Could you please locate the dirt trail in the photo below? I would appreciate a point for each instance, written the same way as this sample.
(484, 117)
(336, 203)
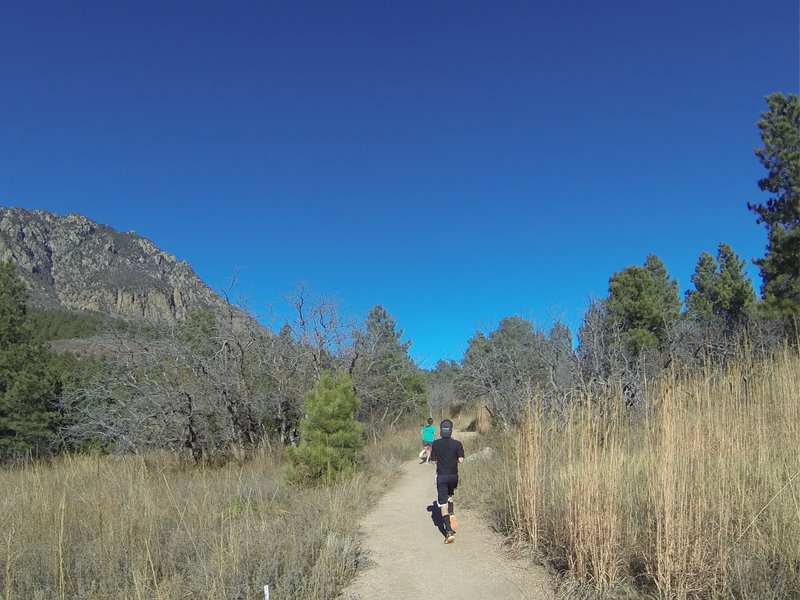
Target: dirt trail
(409, 559)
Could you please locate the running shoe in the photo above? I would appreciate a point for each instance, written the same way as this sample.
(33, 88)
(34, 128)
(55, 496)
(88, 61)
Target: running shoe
(453, 523)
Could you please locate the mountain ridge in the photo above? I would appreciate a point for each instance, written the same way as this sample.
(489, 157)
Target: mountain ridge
(70, 262)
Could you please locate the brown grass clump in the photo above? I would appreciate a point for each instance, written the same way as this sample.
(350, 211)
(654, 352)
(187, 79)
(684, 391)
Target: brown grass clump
(482, 423)
(126, 527)
(698, 497)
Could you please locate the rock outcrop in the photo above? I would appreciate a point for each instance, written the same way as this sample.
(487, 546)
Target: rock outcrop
(72, 263)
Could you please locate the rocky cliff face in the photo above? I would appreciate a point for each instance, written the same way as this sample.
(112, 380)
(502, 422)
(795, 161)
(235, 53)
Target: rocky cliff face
(71, 262)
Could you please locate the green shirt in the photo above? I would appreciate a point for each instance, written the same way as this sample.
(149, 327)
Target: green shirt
(428, 433)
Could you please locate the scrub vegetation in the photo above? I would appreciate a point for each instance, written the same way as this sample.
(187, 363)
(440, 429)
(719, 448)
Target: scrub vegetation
(208, 457)
(660, 459)
(93, 526)
(695, 496)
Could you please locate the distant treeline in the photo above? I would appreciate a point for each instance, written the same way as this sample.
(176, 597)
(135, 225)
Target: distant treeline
(48, 325)
(216, 385)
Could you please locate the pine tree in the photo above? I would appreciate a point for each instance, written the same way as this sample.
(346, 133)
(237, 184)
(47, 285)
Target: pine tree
(643, 303)
(723, 292)
(700, 301)
(736, 300)
(780, 268)
(27, 385)
(330, 438)
(387, 379)
(515, 363)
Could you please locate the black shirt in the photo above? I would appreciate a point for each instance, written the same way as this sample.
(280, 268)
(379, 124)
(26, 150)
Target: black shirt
(446, 452)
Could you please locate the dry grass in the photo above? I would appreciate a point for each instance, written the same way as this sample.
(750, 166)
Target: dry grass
(124, 527)
(482, 423)
(699, 498)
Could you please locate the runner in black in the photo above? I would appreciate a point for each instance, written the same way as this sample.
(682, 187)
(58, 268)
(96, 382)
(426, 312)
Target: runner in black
(447, 453)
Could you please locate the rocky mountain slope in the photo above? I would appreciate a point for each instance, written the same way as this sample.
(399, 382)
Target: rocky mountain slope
(73, 263)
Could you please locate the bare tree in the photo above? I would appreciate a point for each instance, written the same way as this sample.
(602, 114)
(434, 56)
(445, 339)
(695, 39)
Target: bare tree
(443, 398)
(387, 380)
(196, 386)
(517, 363)
(319, 327)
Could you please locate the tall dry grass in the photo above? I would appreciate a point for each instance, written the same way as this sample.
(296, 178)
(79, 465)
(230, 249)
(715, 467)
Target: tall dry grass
(126, 527)
(698, 497)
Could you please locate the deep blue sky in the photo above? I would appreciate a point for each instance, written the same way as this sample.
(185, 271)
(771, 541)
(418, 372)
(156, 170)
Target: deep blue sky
(455, 161)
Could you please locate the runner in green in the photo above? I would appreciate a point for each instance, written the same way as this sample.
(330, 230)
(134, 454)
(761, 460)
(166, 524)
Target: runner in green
(428, 435)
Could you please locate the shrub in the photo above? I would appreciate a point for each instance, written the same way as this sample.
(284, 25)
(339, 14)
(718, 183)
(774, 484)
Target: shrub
(330, 438)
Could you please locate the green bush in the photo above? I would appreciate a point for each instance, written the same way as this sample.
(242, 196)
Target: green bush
(330, 438)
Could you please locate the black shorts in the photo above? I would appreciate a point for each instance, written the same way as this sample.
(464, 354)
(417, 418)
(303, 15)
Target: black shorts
(445, 486)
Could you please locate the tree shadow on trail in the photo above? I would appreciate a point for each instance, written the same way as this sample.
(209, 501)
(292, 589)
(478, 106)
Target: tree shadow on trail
(436, 517)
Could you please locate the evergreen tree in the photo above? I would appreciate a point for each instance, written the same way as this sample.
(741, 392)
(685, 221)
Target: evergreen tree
(50, 325)
(561, 338)
(517, 347)
(386, 379)
(643, 303)
(514, 364)
(723, 292)
(736, 299)
(441, 383)
(561, 359)
(472, 382)
(700, 301)
(479, 348)
(199, 332)
(330, 438)
(780, 268)
(27, 386)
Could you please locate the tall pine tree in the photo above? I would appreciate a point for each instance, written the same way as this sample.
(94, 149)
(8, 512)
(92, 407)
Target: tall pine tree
(643, 303)
(723, 292)
(780, 268)
(27, 385)
(386, 378)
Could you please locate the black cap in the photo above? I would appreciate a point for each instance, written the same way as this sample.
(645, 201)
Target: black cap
(446, 428)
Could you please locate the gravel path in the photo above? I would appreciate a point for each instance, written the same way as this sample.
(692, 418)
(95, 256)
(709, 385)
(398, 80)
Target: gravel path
(409, 559)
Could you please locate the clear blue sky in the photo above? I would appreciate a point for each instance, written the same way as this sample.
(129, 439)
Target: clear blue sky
(455, 161)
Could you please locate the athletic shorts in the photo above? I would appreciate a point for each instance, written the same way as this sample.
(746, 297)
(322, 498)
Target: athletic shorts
(427, 444)
(445, 486)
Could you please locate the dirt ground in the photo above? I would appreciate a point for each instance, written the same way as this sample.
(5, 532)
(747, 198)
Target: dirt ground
(409, 560)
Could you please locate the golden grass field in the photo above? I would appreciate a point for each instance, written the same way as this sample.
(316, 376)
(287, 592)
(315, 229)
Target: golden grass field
(145, 528)
(697, 497)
